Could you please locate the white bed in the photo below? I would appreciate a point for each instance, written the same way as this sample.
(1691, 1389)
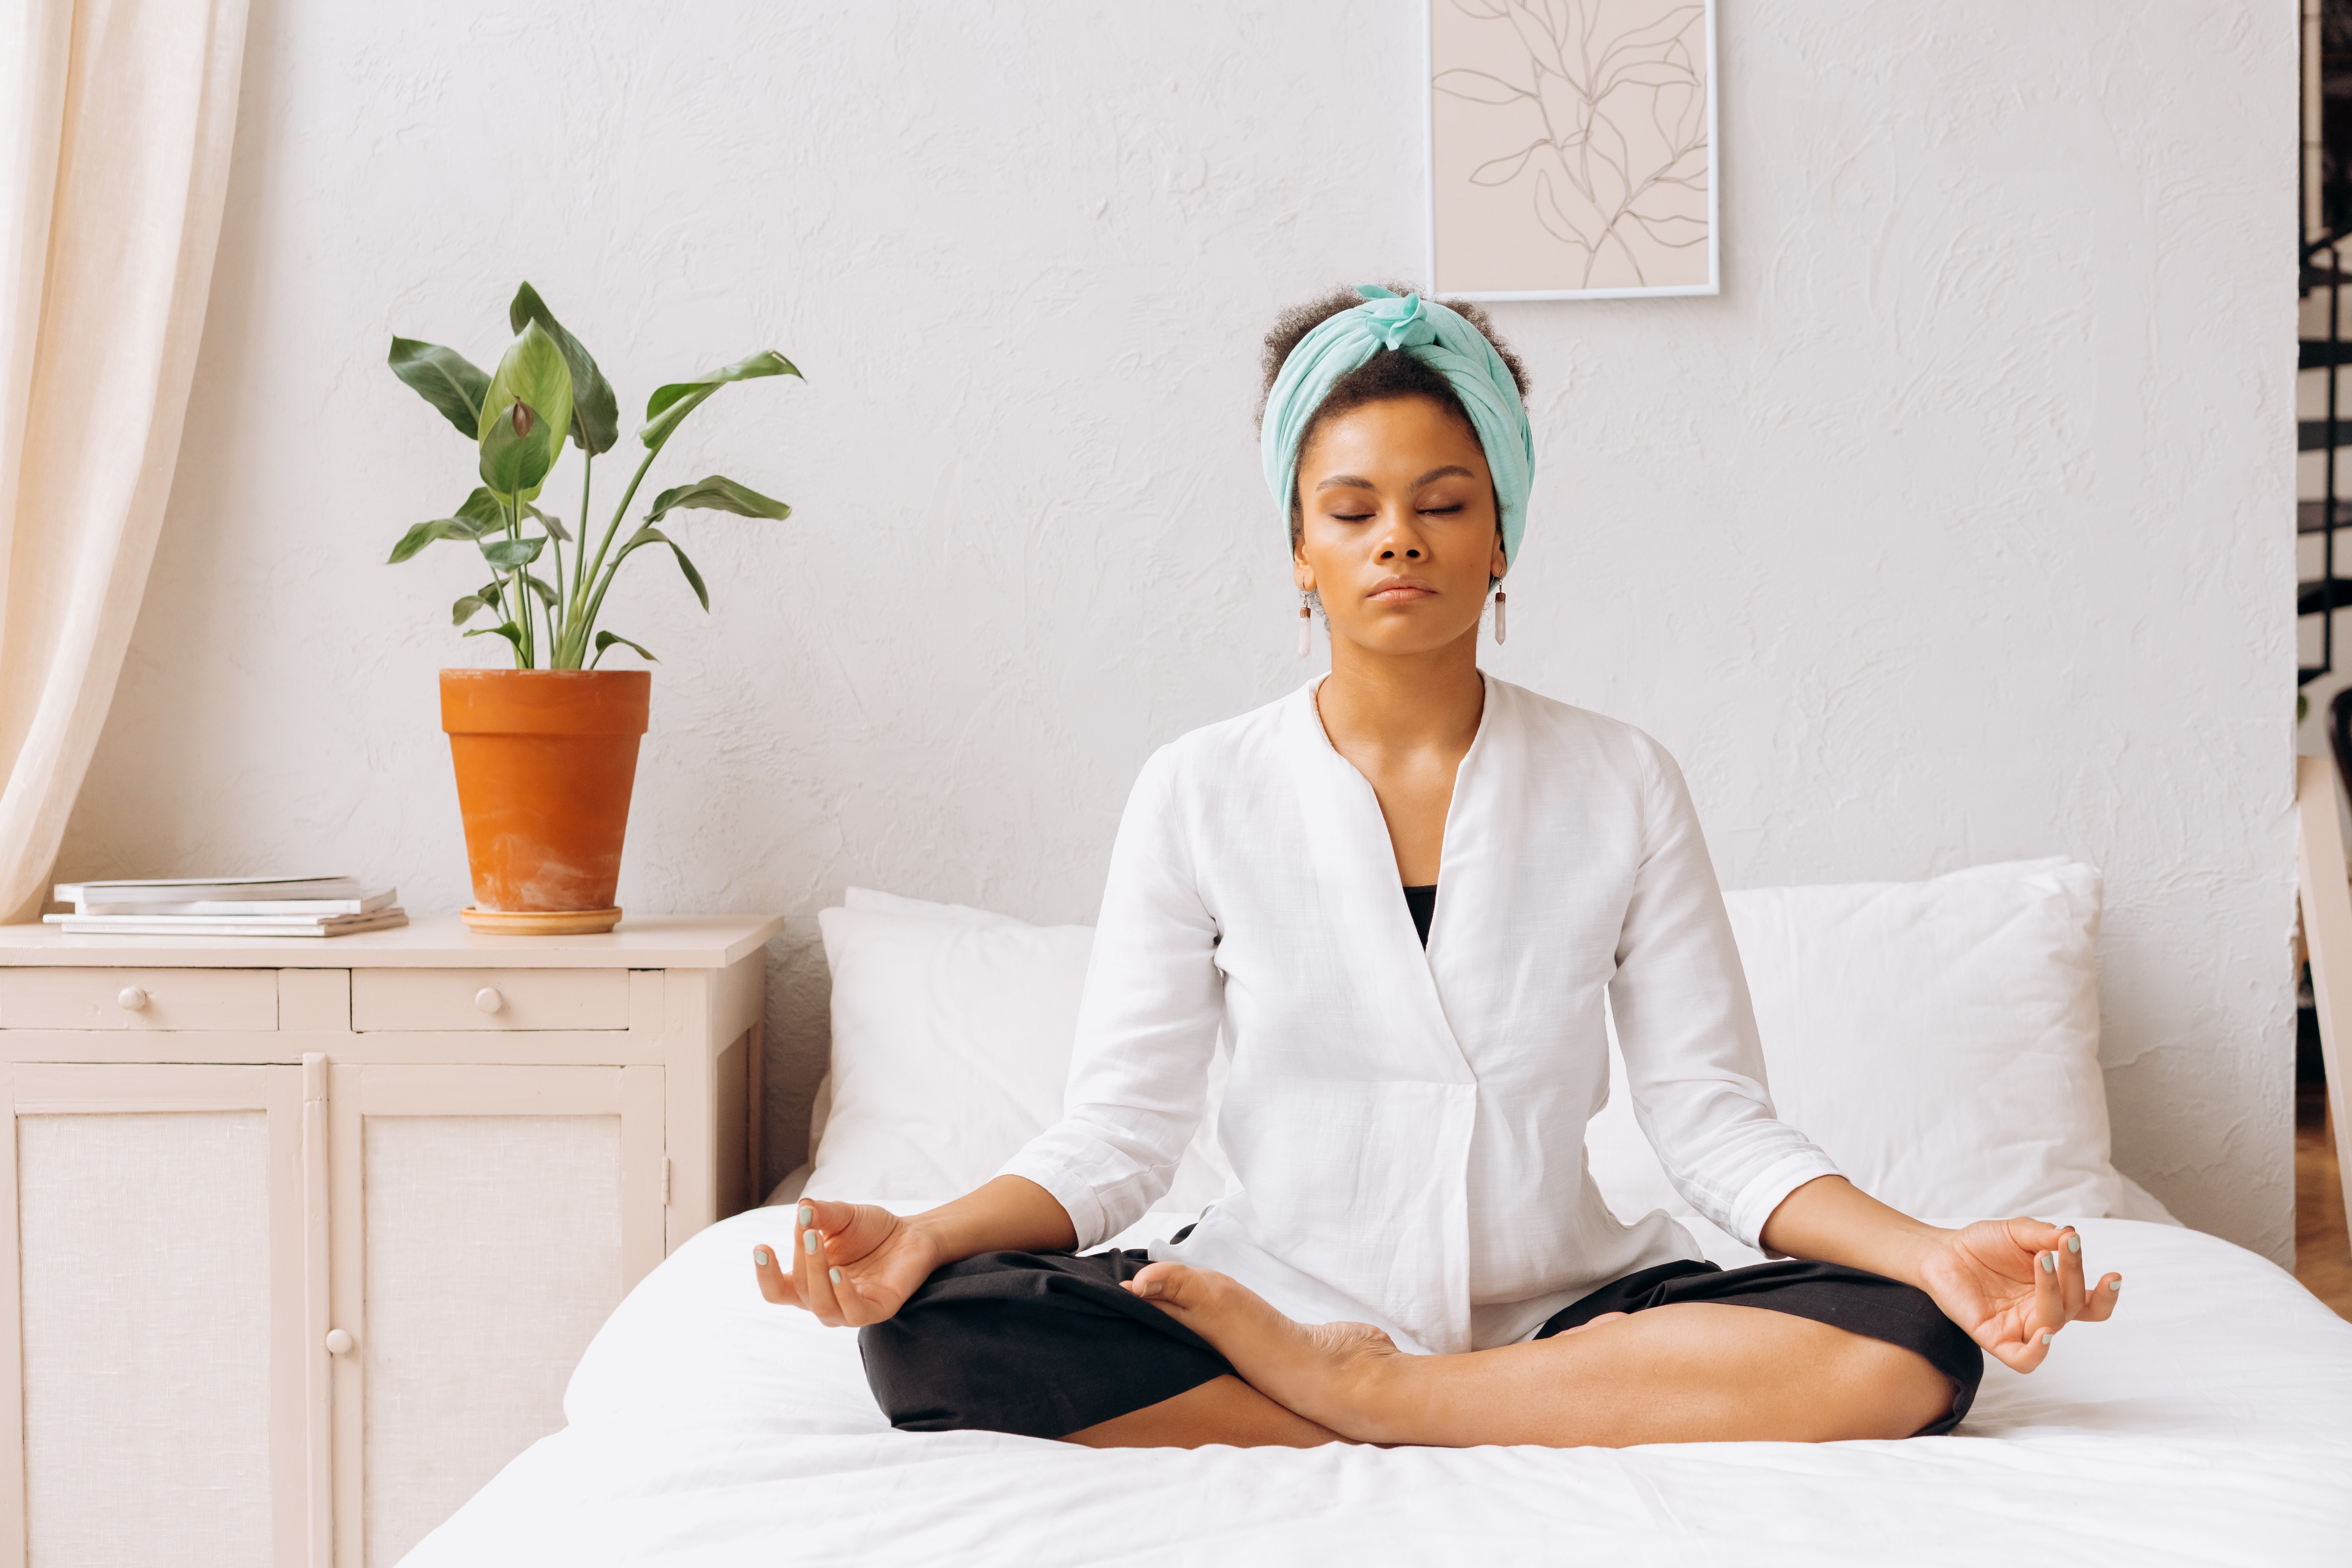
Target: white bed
(1940, 1039)
(2212, 1422)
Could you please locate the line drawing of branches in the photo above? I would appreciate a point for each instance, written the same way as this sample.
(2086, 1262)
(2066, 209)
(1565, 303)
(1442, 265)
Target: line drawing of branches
(1623, 108)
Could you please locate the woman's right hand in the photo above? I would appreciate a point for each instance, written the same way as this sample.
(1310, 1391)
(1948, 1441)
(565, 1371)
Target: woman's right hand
(851, 1264)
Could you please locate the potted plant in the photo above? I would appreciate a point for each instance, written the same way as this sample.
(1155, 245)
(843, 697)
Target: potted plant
(546, 753)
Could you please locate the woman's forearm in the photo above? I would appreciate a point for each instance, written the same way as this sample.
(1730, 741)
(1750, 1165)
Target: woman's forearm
(1832, 1221)
(1006, 1213)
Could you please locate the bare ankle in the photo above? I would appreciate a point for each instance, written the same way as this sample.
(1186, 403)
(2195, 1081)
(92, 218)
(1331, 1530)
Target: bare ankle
(1362, 1389)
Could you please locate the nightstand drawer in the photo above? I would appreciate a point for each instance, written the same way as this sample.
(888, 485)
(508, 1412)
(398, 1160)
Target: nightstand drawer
(439, 1000)
(138, 998)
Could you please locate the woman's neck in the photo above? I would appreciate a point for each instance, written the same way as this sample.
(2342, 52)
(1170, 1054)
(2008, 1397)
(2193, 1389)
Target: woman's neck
(1404, 702)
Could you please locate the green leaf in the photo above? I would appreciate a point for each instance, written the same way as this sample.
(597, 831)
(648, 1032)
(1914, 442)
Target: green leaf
(506, 555)
(506, 629)
(670, 406)
(718, 494)
(424, 533)
(595, 412)
(482, 507)
(554, 524)
(532, 371)
(514, 453)
(649, 534)
(525, 414)
(606, 639)
(488, 596)
(444, 378)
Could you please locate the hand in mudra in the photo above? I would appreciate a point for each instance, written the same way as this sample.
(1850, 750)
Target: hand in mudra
(2014, 1283)
(850, 1263)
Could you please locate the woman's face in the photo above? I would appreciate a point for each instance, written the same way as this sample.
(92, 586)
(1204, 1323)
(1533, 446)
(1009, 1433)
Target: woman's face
(1397, 525)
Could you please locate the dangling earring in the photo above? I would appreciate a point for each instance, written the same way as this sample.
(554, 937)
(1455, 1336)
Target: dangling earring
(1305, 624)
(1499, 597)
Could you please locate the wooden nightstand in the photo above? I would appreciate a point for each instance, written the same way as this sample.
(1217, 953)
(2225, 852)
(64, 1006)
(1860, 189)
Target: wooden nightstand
(304, 1237)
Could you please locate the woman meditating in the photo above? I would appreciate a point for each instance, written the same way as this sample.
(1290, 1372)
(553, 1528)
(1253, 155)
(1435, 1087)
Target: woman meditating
(1401, 893)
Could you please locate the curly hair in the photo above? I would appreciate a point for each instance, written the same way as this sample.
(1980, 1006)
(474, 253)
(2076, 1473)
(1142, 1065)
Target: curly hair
(1388, 373)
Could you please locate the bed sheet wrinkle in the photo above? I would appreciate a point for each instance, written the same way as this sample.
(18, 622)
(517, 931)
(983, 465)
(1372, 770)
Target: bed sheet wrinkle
(2210, 1423)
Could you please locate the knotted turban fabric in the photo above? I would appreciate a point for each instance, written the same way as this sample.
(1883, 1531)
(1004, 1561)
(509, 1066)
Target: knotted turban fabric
(1441, 339)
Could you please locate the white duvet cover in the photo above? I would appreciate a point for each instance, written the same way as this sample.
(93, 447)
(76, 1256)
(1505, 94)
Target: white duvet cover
(2212, 1422)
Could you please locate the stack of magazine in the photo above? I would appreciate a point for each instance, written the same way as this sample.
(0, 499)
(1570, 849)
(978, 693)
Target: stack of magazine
(235, 906)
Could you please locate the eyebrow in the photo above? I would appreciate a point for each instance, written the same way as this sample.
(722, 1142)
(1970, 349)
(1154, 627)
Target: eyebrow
(1357, 483)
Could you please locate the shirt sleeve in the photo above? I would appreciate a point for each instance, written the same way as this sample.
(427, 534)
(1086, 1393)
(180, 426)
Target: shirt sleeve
(1147, 1026)
(1693, 1058)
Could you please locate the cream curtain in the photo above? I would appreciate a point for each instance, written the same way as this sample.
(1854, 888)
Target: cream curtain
(117, 116)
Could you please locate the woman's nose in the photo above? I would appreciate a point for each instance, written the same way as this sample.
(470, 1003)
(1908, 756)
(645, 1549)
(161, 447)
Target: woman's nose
(1407, 551)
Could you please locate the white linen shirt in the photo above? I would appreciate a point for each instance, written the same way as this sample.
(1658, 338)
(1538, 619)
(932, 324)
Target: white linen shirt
(1406, 1126)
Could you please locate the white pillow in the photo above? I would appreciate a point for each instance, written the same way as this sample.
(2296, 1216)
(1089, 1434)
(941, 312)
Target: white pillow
(952, 1036)
(893, 903)
(1939, 1040)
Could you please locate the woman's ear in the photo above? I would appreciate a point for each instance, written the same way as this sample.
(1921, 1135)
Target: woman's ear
(1500, 563)
(1302, 573)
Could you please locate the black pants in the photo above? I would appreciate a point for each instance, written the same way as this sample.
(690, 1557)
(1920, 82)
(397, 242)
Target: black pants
(1045, 1344)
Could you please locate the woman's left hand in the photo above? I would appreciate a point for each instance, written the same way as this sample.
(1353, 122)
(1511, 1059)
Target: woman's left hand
(2014, 1283)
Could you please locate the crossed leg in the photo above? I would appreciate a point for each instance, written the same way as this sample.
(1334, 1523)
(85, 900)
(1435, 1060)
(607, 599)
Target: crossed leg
(1221, 1410)
(1692, 1372)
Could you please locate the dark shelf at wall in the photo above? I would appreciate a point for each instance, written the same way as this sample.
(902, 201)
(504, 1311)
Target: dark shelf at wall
(2312, 597)
(2323, 342)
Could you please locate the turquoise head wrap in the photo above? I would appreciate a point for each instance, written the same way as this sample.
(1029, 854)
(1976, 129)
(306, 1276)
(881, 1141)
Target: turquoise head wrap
(1441, 340)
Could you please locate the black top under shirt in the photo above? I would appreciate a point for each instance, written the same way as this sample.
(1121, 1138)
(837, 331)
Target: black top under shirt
(1422, 902)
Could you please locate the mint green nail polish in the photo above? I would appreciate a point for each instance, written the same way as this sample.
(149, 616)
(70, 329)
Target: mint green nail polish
(2073, 1244)
(808, 1217)
(2049, 1261)
(2045, 1339)
(835, 1276)
(810, 1237)
(760, 1256)
(2115, 1284)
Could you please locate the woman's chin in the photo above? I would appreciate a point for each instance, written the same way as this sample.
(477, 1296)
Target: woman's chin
(1404, 636)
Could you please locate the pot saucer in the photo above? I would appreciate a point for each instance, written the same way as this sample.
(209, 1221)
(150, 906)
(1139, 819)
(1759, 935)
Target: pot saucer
(535, 923)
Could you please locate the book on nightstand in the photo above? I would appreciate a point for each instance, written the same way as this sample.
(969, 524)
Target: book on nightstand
(234, 906)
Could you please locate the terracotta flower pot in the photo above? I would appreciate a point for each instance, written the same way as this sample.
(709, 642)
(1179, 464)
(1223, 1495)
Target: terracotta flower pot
(545, 761)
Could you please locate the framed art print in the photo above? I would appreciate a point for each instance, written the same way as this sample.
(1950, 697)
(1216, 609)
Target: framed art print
(1572, 149)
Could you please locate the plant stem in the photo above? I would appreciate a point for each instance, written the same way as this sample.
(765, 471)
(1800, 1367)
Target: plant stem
(621, 512)
(518, 592)
(596, 599)
(554, 628)
(585, 617)
(570, 654)
(555, 632)
(515, 612)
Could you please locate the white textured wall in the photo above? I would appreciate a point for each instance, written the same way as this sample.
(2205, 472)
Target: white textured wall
(1956, 529)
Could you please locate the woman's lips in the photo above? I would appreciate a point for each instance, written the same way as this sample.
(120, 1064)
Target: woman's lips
(1402, 593)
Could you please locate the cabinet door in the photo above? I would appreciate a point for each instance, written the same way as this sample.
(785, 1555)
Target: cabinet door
(149, 1412)
(486, 1220)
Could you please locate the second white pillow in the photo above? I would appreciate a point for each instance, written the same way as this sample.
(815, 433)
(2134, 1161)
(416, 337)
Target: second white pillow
(952, 1036)
(1939, 1039)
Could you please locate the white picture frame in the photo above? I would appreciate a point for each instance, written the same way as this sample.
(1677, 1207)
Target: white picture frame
(1564, 154)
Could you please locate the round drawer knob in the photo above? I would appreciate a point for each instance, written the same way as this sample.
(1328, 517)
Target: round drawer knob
(338, 1343)
(132, 999)
(489, 1000)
